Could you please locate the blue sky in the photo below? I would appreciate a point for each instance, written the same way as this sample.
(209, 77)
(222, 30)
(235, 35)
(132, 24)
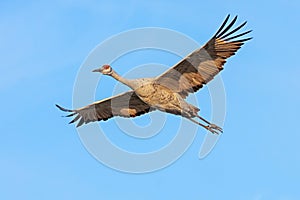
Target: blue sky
(42, 47)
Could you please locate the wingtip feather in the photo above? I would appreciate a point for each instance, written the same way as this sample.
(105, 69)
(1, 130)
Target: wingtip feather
(222, 26)
(63, 109)
(227, 27)
(80, 122)
(234, 30)
(237, 36)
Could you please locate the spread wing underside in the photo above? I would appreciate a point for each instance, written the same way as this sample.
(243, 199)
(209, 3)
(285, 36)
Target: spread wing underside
(200, 67)
(125, 105)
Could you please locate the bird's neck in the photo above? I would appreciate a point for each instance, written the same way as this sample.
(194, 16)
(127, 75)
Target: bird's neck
(129, 83)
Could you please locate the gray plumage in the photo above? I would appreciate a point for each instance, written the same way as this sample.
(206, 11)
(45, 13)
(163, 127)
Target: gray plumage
(168, 91)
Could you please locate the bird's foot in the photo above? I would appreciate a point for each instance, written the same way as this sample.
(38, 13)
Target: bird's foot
(214, 129)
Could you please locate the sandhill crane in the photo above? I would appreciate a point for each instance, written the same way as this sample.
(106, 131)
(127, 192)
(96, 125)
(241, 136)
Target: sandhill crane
(168, 91)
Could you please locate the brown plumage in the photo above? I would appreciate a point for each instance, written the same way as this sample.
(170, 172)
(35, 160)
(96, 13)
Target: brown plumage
(168, 91)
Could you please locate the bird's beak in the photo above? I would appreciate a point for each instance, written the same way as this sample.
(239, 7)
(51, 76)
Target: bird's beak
(97, 70)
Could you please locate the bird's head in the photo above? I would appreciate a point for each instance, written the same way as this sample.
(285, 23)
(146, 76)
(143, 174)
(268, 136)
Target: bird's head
(105, 69)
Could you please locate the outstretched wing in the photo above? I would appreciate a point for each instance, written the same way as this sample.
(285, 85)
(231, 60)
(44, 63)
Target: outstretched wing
(125, 105)
(202, 65)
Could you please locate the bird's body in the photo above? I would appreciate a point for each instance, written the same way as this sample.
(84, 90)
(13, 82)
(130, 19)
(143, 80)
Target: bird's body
(165, 99)
(158, 96)
(168, 91)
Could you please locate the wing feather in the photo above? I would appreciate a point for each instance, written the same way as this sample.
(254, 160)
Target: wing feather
(200, 67)
(127, 104)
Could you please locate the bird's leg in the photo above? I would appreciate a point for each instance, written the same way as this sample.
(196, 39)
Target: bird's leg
(203, 119)
(213, 126)
(212, 129)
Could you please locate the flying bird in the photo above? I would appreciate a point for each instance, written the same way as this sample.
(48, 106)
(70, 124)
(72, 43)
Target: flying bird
(168, 91)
